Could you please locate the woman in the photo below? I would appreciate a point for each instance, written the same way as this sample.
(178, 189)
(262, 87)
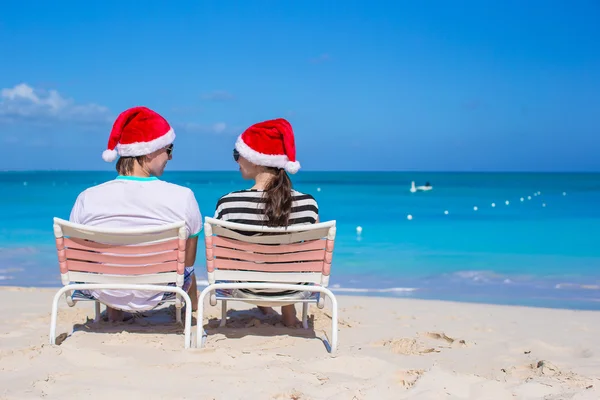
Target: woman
(265, 153)
(137, 198)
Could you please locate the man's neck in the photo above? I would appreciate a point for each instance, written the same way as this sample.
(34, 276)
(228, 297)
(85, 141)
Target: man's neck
(139, 171)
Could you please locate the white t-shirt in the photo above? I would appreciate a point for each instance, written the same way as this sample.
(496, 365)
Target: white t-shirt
(136, 202)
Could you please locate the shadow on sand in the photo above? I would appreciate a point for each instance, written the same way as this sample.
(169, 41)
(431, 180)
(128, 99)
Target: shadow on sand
(158, 321)
(253, 322)
(240, 323)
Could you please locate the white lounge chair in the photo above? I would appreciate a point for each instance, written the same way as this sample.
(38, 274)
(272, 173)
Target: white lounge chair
(295, 258)
(93, 258)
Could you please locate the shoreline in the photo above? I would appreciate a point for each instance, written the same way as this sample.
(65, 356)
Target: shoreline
(428, 294)
(358, 297)
(389, 348)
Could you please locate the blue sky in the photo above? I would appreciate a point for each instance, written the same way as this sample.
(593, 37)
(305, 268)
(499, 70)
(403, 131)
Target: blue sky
(405, 85)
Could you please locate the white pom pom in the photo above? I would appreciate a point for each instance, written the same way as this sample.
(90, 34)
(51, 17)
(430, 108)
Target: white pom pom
(292, 167)
(109, 155)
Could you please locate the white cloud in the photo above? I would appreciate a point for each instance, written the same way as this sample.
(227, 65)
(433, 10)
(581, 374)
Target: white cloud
(219, 127)
(23, 103)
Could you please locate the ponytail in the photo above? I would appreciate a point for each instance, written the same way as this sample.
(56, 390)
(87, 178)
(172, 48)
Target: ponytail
(278, 200)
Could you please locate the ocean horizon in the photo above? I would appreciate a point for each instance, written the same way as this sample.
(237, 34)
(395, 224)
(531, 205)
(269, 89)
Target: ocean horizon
(519, 238)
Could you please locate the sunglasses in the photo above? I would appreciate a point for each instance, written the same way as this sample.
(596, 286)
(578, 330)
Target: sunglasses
(236, 155)
(169, 150)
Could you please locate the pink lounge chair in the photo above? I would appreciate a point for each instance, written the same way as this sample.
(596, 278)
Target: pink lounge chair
(93, 258)
(295, 258)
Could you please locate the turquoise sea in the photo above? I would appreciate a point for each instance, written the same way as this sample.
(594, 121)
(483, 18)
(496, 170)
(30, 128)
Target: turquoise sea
(540, 249)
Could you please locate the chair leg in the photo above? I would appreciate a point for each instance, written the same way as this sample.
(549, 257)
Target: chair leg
(178, 305)
(200, 333)
(97, 316)
(223, 313)
(305, 315)
(69, 299)
(334, 322)
(54, 316)
(187, 330)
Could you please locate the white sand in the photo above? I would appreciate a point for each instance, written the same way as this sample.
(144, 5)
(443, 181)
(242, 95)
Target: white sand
(388, 349)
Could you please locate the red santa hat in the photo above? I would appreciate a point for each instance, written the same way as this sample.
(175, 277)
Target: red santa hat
(270, 144)
(137, 132)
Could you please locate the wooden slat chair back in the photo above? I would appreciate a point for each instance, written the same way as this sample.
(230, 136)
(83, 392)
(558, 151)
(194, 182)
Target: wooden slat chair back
(242, 256)
(92, 258)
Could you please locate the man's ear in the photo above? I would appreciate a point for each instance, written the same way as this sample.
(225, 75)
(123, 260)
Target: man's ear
(152, 155)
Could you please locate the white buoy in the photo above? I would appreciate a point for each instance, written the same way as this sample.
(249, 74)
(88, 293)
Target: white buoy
(528, 197)
(535, 194)
(522, 199)
(507, 202)
(318, 189)
(359, 230)
(409, 217)
(475, 208)
(493, 204)
(446, 212)
(24, 183)
(564, 193)
(543, 204)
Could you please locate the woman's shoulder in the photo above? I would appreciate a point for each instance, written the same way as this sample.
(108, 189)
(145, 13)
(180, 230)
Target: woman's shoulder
(243, 193)
(239, 195)
(300, 196)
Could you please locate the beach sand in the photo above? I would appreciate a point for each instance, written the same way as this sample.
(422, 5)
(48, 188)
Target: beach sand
(388, 349)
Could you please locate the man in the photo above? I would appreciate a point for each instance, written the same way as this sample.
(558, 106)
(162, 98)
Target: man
(137, 198)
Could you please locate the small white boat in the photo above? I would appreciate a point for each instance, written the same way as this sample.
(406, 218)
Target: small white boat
(414, 188)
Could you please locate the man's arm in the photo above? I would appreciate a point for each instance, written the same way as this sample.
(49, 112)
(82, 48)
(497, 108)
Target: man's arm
(194, 226)
(191, 247)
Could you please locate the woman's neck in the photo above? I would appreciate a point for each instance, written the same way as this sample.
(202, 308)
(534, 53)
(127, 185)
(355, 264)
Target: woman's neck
(262, 180)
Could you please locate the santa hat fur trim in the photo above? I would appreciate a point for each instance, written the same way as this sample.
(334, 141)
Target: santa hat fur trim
(266, 160)
(140, 148)
(143, 148)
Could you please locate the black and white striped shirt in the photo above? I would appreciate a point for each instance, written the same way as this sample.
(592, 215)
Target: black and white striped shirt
(247, 207)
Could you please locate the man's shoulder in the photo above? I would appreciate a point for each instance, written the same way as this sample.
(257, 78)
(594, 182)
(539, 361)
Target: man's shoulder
(164, 190)
(174, 194)
(98, 188)
(173, 188)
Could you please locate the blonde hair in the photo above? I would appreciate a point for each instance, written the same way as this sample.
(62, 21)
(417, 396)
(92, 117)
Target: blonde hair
(125, 165)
